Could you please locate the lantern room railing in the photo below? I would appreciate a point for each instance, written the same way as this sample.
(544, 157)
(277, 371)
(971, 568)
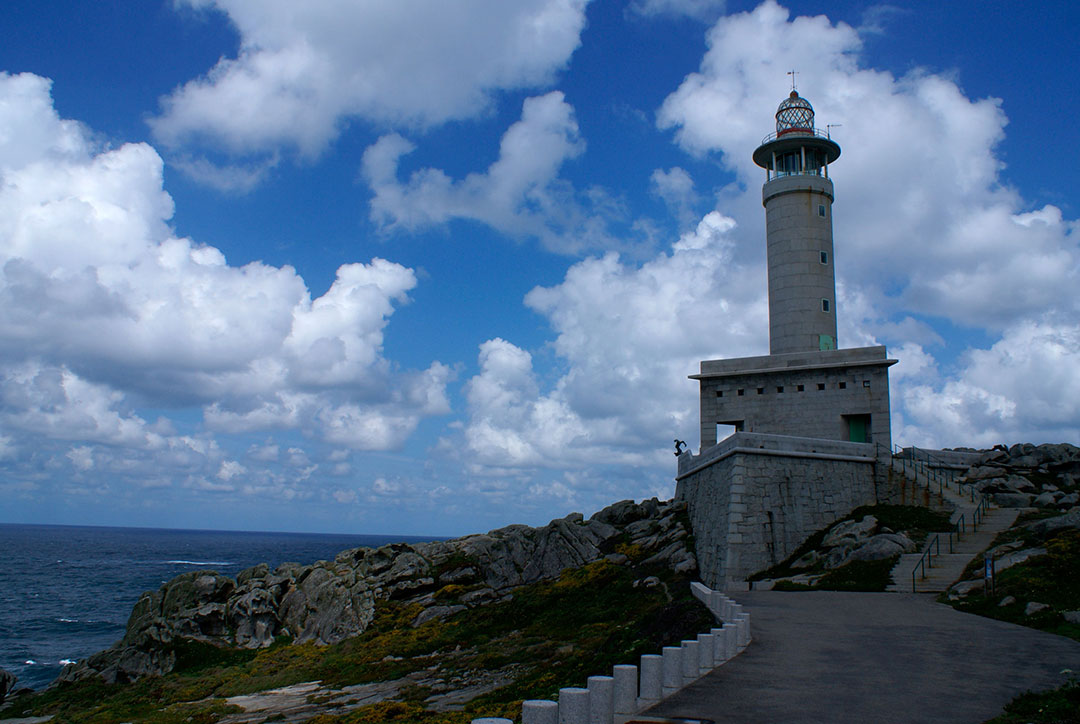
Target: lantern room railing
(811, 132)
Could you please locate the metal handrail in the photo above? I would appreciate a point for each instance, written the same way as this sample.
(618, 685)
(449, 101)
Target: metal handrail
(980, 510)
(926, 560)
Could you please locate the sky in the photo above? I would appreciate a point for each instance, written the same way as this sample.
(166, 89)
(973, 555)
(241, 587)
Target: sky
(433, 268)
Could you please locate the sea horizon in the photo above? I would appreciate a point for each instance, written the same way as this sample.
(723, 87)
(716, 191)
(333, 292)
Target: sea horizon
(409, 537)
(66, 591)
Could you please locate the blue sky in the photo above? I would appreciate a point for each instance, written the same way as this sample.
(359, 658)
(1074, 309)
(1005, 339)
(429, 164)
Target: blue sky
(430, 268)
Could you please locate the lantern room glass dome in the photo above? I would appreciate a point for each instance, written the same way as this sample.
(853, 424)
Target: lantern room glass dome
(794, 114)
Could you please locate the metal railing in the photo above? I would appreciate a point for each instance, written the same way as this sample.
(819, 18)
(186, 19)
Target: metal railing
(926, 560)
(796, 133)
(916, 465)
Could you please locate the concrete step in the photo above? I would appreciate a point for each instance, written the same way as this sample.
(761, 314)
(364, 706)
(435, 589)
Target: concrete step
(947, 567)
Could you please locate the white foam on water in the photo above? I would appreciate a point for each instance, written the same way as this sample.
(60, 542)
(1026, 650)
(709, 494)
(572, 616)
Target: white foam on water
(200, 563)
(30, 662)
(65, 662)
(68, 620)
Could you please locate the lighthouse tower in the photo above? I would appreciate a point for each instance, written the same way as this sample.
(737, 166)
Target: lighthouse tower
(792, 440)
(798, 198)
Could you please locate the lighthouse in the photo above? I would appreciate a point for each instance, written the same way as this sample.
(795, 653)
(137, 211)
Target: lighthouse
(795, 439)
(798, 198)
(807, 386)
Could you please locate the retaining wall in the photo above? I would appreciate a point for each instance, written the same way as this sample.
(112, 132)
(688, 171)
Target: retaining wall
(754, 498)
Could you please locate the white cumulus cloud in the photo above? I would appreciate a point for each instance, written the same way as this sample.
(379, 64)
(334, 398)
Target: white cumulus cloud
(304, 69)
(103, 308)
(520, 194)
(628, 335)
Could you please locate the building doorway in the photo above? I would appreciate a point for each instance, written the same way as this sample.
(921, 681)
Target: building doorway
(858, 428)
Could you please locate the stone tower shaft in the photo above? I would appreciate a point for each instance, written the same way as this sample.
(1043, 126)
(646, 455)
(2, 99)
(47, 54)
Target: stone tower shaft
(798, 197)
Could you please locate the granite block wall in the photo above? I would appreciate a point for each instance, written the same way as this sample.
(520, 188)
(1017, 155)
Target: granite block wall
(754, 499)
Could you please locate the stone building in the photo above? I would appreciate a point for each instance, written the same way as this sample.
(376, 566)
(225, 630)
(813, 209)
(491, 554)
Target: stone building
(808, 422)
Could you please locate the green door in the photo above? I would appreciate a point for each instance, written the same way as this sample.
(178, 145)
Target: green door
(857, 431)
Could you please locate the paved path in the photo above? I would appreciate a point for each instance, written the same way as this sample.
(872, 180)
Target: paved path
(884, 658)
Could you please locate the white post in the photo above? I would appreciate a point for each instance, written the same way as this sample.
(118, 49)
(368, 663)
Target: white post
(539, 711)
(690, 658)
(601, 700)
(716, 603)
(573, 706)
(626, 688)
(672, 670)
(731, 640)
(652, 680)
(719, 647)
(743, 625)
(705, 653)
(492, 720)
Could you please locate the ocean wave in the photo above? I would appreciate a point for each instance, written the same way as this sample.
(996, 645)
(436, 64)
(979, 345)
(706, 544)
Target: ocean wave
(68, 620)
(30, 662)
(65, 662)
(200, 563)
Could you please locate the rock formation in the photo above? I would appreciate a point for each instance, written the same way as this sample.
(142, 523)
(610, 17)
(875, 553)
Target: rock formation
(855, 540)
(329, 601)
(7, 683)
(1045, 476)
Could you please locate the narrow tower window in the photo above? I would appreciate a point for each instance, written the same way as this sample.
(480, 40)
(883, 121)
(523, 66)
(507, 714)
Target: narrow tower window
(824, 257)
(824, 305)
(821, 210)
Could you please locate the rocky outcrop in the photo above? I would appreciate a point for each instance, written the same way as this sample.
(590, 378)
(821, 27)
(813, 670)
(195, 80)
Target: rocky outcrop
(7, 683)
(329, 601)
(1026, 475)
(855, 540)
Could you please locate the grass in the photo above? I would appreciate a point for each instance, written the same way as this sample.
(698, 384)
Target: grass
(1053, 579)
(549, 635)
(1058, 706)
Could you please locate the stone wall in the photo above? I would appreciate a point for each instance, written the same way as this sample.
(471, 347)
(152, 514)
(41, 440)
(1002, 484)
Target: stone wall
(811, 394)
(753, 499)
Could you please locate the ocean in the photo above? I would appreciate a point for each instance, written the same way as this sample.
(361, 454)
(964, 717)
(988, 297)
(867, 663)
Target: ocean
(66, 591)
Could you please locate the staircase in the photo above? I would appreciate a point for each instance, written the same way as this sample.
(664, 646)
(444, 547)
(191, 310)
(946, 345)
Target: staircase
(945, 555)
(945, 568)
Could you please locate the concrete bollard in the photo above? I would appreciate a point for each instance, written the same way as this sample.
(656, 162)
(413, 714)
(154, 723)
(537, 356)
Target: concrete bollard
(672, 681)
(731, 640)
(601, 700)
(652, 680)
(573, 705)
(743, 626)
(716, 603)
(719, 648)
(539, 711)
(705, 653)
(492, 720)
(690, 659)
(626, 688)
